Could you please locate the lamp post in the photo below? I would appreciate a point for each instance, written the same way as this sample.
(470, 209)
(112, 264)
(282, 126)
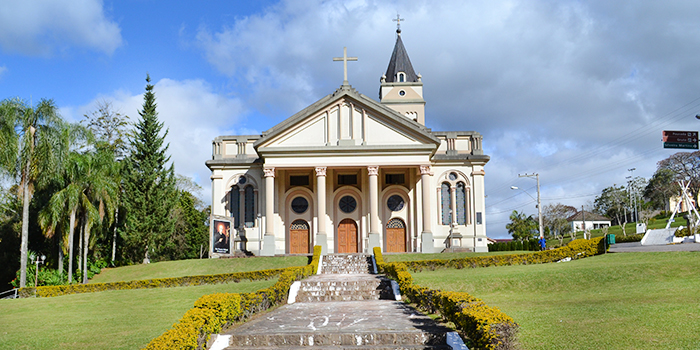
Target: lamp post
(37, 262)
(539, 201)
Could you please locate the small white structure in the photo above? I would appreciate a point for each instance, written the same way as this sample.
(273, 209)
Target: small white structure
(586, 221)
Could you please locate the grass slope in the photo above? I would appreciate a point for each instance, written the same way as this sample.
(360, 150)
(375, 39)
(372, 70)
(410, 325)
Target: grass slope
(126, 319)
(179, 268)
(612, 301)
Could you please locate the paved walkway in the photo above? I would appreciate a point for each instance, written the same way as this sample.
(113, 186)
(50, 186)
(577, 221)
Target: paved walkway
(638, 247)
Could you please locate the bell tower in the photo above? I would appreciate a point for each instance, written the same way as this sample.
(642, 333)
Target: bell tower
(401, 88)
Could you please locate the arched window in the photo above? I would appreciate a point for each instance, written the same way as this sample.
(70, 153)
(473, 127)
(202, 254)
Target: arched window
(445, 203)
(461, 199)
(402, 77)
(234, 205)
(249, 206)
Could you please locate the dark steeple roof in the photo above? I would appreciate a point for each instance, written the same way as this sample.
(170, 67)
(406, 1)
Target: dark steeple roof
(400, 62)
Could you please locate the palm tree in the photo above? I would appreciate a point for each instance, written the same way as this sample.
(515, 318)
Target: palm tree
(34, 155)
(100, 193)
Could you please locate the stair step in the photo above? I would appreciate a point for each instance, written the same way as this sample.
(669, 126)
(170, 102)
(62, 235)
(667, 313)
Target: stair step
(381, 339)
(346, 263)
(352, 347)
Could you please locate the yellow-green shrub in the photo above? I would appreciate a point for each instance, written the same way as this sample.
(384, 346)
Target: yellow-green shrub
(52, 291)
(575, 249)
(213, 312)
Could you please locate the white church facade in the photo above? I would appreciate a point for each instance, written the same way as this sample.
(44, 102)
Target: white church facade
(350, 173)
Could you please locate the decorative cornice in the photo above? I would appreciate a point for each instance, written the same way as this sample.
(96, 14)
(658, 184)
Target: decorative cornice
(321, 171)
(269, 172)
(425, 170)
(216, 177)
(478, 172)
(373, 170)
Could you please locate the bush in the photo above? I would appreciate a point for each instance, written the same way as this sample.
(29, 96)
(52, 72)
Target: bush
(683, 232)
(629, 238)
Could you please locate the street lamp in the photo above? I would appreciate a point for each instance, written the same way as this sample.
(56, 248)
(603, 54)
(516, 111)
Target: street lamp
(37, 262)
(539, 201)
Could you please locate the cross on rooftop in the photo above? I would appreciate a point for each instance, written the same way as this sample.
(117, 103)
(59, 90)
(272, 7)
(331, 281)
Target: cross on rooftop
(345, 60)
(398, 20)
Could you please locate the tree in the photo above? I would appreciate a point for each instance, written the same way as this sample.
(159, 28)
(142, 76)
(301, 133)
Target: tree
(522, 227)
(554, 217)
(149, 187)
(110, 129)
(613, 202)
(33, 154)
(53, 218)
(685, 166)
(661, 187)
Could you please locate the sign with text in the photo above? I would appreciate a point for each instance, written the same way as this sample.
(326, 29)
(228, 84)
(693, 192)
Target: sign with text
(680, 139)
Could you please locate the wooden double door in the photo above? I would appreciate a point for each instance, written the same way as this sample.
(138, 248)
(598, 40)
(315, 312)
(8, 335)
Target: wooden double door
(347, 236)
(395, 236)
(299, 237)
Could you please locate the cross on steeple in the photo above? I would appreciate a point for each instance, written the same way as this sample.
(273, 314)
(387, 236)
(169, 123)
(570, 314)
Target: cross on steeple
(398, 20)
(345, 60)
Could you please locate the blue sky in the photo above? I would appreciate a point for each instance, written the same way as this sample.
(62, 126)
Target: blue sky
(578, 91)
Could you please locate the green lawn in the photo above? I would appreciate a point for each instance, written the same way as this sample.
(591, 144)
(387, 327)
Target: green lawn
(612, 301)
(125, 319)
(440, 256)
(195, 267)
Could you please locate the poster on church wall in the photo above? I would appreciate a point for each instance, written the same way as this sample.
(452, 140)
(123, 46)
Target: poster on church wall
(221, 234)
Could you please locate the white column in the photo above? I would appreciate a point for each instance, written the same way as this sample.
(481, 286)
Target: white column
(374, 235)
(269, 238)
(321, 236)
(427, 245)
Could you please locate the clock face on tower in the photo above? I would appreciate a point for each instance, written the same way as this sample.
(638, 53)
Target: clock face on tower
(395, 203)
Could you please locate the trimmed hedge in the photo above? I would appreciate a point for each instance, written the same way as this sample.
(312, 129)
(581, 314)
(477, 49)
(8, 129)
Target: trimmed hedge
(486, 327)
(213, 312)
(53, 291)
(629, 238)
(575, 249)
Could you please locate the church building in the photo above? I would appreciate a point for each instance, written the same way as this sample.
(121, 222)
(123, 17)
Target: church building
(349, 173)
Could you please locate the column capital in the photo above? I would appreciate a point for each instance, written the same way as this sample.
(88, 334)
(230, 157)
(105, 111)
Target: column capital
(425, 170)
(321, 171)
(373, 170)
(269, 172)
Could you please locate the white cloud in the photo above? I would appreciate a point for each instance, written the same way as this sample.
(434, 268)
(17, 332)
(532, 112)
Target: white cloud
(193, 114)
(3, 69)
(39, 27)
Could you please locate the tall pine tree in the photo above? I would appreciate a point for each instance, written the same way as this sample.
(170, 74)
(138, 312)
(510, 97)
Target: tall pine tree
(150, 194)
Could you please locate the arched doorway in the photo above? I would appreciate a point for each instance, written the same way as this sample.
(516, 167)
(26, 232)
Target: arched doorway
(299, 237)
(395, 236)
(347, 236)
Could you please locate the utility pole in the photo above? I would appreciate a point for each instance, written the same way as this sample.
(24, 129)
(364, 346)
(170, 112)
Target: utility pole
(539, 201)
(633, 193)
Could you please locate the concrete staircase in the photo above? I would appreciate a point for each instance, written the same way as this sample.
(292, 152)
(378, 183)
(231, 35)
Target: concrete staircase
(344, 307)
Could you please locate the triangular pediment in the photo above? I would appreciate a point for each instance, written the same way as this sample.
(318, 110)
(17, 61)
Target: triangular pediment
(346, 119)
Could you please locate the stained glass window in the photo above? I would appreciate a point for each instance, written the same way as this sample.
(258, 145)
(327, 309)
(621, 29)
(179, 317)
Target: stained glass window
(395, 203)
(461, 204)
(300, 205)
(445, 203)
(347, 204)
(234, 204)
(249, 206)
